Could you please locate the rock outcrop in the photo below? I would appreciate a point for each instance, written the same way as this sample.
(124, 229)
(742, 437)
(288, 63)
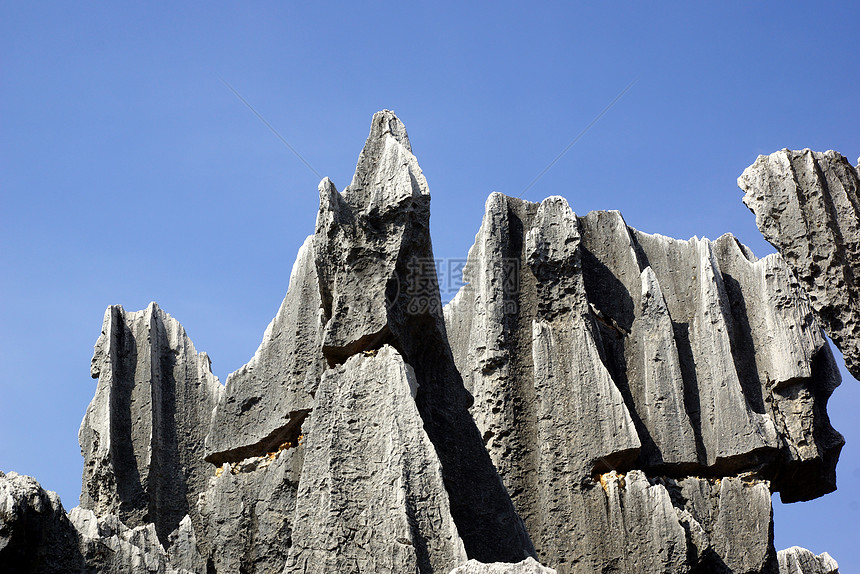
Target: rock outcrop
(108, 545)
(36, 536)
(145, 428)
(371, 497)
(797, 560)
(591, 347)
(806, 204)
(265, 401)
(596, 399)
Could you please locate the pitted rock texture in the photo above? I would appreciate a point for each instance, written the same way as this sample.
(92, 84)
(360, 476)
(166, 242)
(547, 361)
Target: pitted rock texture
(36, 536)
(636, 400)
(144, 430)
(797, 560)
(590, 346)
(371, 497)
(806, 204)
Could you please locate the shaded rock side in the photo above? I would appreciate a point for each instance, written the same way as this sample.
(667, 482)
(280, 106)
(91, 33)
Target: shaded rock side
(247, 512)
(728, 523)
(797, 560)
(806, 204)
(371, 497)
(695, 358)
(375, 265)
(143, 434)
(35, 534)
(268, 397)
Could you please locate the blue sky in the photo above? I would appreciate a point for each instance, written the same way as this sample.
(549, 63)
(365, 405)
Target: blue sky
(129, 172)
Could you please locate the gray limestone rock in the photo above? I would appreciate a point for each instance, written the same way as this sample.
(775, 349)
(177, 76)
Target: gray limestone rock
(371, 497)
(806, 204)
(527, 566)
(183, 549)
(797, 560)
(266, 400)
(634, 399)
(633, 528)
(143, 434)
(247, 512)
(709, 358)
(109, 546)
(728, 522)
(35, 534)
(377, 274)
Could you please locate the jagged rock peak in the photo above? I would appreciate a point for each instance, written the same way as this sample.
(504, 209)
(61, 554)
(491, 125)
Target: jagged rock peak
(807, 204)
(640, 396)
(387, 172)
(144, 431)
(379, 287)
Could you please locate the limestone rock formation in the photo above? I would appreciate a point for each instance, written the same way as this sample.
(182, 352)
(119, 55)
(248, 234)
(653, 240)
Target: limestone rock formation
(806, 204)
(36, 536)
(797, 560)
(371, 497)
(376, 270)
(591, 347)
(596, 399)
(108, 545)
(144, 430)
(247, 512)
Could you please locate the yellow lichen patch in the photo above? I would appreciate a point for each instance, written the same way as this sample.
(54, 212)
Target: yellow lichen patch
(271, 455)
(607, 477)
(301, 438)
(219, 471)
(603, 483)
(370, 353)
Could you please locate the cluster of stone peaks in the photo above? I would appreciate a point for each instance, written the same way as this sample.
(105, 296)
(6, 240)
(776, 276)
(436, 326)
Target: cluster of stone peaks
(595, 399)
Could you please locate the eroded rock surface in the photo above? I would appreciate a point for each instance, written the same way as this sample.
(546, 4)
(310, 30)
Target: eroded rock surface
(596, 399)
(797, 560)
(267, 399)
(527, 566)
(108, 545)
(590, 347)
(144, 431)
(376, 268)
(372, 497)
(806, 204)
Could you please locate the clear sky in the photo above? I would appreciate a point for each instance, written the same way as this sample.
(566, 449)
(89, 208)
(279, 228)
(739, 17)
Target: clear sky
(129, 172)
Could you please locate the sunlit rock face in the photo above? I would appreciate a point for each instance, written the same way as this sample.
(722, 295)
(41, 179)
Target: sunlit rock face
(595, 399)
(806, 204)
(591, 347)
